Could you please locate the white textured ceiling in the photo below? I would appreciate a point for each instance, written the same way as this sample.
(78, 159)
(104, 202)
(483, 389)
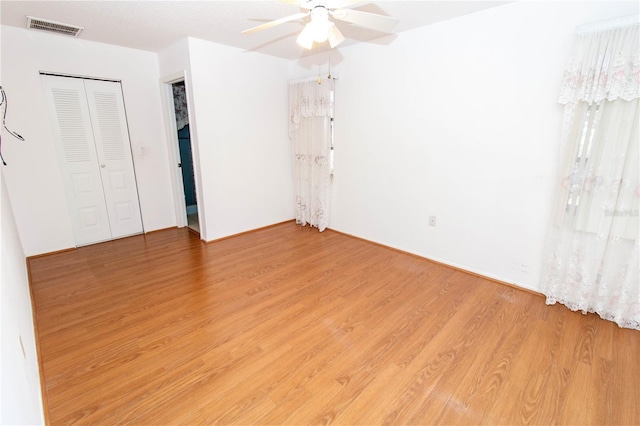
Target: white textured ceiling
(154, 25)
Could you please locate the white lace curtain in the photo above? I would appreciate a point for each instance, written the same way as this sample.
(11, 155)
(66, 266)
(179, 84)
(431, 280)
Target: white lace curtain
(311, 110)
(593, 254)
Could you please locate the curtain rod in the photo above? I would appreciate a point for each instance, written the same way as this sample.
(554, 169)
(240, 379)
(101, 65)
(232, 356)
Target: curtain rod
(303, 79)
(609, 24)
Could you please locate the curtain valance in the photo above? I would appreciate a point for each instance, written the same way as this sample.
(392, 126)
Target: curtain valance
(603, 65)
(309, 99)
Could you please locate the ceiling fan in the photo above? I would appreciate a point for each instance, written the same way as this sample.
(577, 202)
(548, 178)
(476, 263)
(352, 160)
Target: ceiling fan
(320, 28)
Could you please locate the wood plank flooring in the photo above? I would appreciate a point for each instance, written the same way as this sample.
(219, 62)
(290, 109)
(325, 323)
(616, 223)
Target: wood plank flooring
(286, 325)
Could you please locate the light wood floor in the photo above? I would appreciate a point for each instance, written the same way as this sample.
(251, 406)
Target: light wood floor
(289, 326)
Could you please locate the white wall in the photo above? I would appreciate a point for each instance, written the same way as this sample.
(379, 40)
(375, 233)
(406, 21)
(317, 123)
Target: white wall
(458, 120)
(33, 175)
(20, 396)
(239, 134)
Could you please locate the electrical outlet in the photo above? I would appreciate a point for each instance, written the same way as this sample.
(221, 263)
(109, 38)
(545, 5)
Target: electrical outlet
(432, 221)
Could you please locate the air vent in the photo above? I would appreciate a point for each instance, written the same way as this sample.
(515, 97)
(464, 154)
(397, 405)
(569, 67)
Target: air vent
(52, 26)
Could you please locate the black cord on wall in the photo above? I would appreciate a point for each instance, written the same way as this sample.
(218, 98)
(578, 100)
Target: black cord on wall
(3, 105)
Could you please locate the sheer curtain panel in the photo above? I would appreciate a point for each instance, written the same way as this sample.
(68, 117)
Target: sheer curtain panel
(311, 112)
(593, 255)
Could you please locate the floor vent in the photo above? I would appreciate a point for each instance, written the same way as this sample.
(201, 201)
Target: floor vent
(52, 26)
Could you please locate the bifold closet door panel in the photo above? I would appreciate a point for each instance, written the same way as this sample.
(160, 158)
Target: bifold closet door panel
(113, 147)
(71, 124)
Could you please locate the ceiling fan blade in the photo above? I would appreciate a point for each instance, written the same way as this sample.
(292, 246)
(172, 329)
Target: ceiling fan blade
(276, 22)
(366, 19)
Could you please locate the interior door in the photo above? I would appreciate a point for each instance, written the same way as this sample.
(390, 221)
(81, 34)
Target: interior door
(78, 158)
(94, 151)
(111, 134)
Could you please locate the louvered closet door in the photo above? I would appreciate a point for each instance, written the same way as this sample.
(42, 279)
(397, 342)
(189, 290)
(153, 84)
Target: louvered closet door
(111, 134)
(78, 159)
(95, 158)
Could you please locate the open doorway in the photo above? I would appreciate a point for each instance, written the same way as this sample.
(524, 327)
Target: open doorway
(186, 156)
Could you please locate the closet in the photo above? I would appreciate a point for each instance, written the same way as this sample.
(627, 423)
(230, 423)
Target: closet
(92, 141)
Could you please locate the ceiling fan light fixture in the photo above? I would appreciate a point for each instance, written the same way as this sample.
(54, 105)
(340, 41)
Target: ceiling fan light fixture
(319, 30)
(335, 36)
(320, 24)
(305, 38)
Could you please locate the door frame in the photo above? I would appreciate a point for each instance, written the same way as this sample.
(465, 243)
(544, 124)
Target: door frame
(174, 151)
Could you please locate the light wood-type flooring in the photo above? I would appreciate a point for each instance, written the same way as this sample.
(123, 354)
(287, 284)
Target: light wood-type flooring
(286, 325)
